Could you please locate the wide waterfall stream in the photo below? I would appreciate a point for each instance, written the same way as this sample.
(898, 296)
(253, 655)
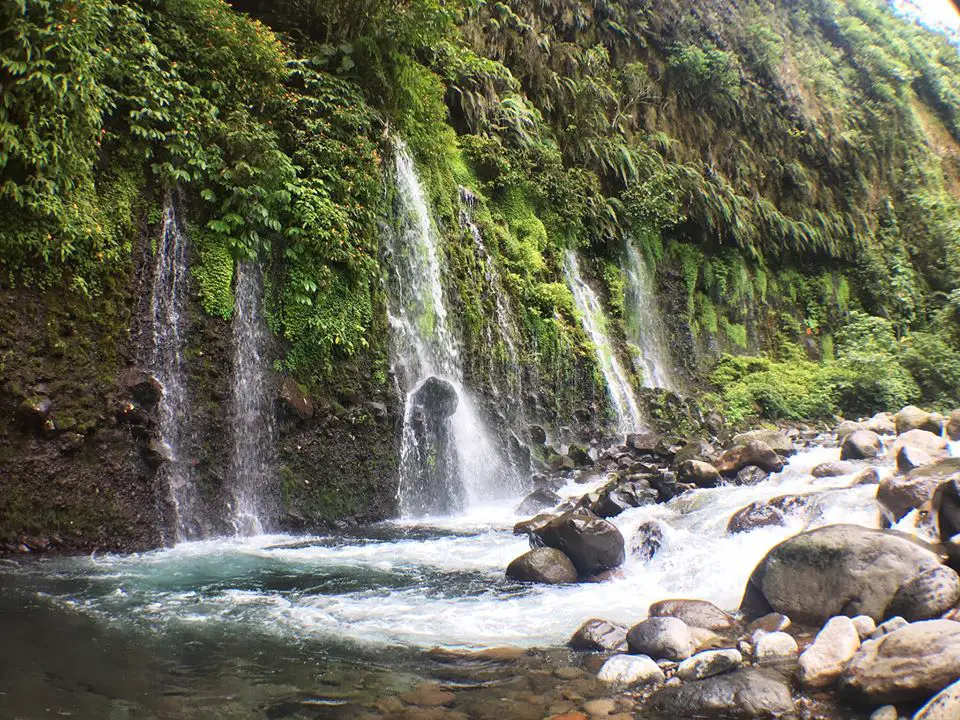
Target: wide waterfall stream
(277, 626)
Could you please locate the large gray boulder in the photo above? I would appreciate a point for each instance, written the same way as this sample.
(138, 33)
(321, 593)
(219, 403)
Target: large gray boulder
(882, 424)
(861, 445)
(591, 543)
(776, 439)
(699, 473)
(945, 705)
(908, 665)
(916, 448)
(543, 565)
(766, 513)
(926, 596)
(913, 418)
(899, 494)
(747, 694)
(753, 452)
(662, 638)
(835, 570)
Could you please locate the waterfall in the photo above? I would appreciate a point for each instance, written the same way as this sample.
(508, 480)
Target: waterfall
(503, 319)
(594, 323)
(252, 412)
(447, 459)
(168, 316)
(644, 324)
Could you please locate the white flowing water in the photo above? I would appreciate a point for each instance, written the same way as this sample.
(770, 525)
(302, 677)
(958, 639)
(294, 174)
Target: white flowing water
(168, 314)
(644, 323)
(594, 322)
(441, 582)
(463, 466)
(251, 423)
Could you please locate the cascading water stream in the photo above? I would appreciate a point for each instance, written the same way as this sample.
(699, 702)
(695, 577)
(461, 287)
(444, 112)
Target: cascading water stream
(594, 323)
(167, 307)
(252, 412)
(644, 326)
(447, 459)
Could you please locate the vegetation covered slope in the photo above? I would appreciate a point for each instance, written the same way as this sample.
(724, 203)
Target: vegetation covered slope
(782, 164)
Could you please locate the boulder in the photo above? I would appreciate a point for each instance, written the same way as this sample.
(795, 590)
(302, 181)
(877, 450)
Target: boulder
(776, 439)
(755, 515)
(886, 712)
(945, 705)
(746, 694)
(699, 473)
(543, 565)
(769, 623)
(835, 570)
(752, 452)
(913, 418)
(626, 671)
(861, 445)
(867, 476)
(750, 475)
(540, 499)
(531, 527)
(537, 435)
(775, 648)
(833, 469)
(926, 596)
(699, 450)
(888, 626)
(436, 397)
(615, 498)
(646, 540)
(953, 426)
(663, 638)
(835, 644)
(143, 387)
(865, 626)
(695, 613)
(709, 663)
(899, 494)
(916, 448)
(579, 456)
(295, 400)
(908, 665)
(599, 636)
(591, 543)
(847, 427)
(882, 424)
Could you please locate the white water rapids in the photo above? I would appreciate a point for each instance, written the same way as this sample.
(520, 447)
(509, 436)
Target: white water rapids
(440, 582)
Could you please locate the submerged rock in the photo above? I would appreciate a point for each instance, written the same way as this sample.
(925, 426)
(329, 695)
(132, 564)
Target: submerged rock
(661, 638)
(746, 694)
(861, 445)
(751, 475)
(543, 565)
(835, 570)
(599, 636)
(755, 515)
(907, 665)
(591, 543)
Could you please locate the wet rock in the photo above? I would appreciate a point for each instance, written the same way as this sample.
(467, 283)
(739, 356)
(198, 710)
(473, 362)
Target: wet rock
(695, 613)
(953, 425)
(532, 526)
(601, 707)
(429, 695)
(540, 499)
(32, 414)
(751, 475)
(599, 636)
(913, 418)
(900, 494)
(945, 705)
(699, 473)
(926, 596)
(847, 428)
(626, 671)
(861, 445)
(436, 397)
(142, 387)
(835, 644)
(835, 570)
(650, 443)
(543, 565)
(916, 448)
(560, 462)
(775, 648)
(157, 452)
(865, 626)
(888, 626)
(882, 424)
(754, 453)
(833, 469)
(614, 499)
(579, 455)
(709, 663)
(776, 439)
(908, 665)
(295, 400)
(699, 450)
(647, 540)
(771, 622)
(764, 513)
(661, 638)
(537, 435)
(867, 476)
(742, 695)
(591, 543)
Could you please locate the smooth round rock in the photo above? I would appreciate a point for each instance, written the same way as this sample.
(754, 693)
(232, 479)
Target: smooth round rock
(945, 705)
(598, 636)
(699, 473)
(661, 638)
(926, 596)
(774, 648)
(913, 418)
(695, 613)
(861, 445)
(626, 671)
(753, 452)
(741, 695)
(865, 626)
(543, 565)
(835, 644)
(833, 469)
(592, 544)
(709, 663)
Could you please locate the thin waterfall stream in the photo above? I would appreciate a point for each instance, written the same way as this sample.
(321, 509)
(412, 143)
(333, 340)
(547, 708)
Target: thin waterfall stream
(594, 324)
(644, 323)
(168, 317)
(251, 424)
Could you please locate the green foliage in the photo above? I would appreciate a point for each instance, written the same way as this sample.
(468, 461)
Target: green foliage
(706, 74)
(213, 271)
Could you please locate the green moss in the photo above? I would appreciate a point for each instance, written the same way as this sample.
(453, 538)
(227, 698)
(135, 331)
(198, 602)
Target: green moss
(735, 333)
(212, 269)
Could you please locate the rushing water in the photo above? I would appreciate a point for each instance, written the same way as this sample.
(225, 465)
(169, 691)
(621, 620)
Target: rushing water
(168, 315)
(250, 475)
(447, 461)
(644, 326)
(594, 322)
(236, 628)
